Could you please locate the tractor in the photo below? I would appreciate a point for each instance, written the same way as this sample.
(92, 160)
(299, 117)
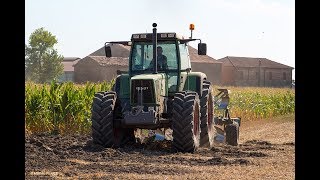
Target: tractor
(154, 98)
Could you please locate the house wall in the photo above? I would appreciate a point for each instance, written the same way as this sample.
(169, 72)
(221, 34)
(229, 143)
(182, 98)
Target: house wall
(250, 77)
(277, 79)
(212, 70)
(247, 77)
(107, 73)
(228, 76)
(66, 76)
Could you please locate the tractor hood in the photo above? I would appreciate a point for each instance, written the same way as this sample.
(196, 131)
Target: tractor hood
(152, 87)
(148, 76)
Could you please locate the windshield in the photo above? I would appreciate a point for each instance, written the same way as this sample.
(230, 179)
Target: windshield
(141, 58)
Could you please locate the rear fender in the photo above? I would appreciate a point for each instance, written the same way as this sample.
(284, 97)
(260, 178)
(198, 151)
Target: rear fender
(192, 81)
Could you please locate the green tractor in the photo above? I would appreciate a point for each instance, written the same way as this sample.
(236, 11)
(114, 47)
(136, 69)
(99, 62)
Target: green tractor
(151, 96)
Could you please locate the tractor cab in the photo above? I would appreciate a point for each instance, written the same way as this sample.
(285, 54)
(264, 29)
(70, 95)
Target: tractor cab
(172, 57)
(173, 46)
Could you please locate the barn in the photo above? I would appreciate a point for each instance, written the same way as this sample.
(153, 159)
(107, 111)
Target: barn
(252, 71)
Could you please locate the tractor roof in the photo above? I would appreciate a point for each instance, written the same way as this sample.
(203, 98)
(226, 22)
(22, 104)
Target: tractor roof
(160, 36)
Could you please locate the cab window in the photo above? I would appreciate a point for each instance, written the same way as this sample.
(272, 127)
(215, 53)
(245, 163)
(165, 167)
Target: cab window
(142, 55)
(184, 55)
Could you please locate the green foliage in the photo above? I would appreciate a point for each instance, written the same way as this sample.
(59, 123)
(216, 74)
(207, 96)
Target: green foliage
(258, 103)
(63, 108)
(42, 61)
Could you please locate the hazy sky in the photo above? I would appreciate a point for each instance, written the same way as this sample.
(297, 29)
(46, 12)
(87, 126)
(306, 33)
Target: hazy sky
(246, 28)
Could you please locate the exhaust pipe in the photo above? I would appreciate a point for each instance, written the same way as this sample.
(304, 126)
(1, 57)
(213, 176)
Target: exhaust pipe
(154, 43)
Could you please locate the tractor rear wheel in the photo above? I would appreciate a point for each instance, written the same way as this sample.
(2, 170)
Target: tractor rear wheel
(207, 111)
(103, 130)
(186, 122)
(232, 134)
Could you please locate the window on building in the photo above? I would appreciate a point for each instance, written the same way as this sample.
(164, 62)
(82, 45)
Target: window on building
(257, 75)
(270, 75)
(284, 76)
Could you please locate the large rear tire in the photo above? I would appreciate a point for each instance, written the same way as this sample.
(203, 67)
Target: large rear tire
(208, 131)
(186, 122)
(103, 130)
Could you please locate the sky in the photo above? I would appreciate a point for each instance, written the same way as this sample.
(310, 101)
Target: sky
(245, 28)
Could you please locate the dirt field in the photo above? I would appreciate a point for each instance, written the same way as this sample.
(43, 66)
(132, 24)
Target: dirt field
(266, 151)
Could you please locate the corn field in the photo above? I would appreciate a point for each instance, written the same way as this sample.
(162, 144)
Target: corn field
(66, 107)
(252, 103)
(60, 108)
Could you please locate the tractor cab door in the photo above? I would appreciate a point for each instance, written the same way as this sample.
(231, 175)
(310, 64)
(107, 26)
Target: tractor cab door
(172, 72)
(184, 57)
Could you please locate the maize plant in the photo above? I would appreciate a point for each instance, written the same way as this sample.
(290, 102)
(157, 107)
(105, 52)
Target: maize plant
(66, 107)
(60, 107)
(258, 103)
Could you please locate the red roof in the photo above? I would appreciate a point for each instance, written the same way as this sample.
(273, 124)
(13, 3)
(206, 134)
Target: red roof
(117, 50)
(105, 61)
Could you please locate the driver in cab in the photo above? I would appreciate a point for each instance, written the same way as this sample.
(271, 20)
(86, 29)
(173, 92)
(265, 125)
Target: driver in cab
(161, 60)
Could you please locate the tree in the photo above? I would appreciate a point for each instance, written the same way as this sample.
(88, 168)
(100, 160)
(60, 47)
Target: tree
(42, 61)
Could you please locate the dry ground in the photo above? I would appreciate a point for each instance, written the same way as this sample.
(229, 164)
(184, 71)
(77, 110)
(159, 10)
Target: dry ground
(266, 151)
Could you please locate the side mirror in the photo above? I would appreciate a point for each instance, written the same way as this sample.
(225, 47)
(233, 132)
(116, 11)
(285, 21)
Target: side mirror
(107, 50)
(202, 49)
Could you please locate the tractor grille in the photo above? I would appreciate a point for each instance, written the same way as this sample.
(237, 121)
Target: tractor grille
(145, 87)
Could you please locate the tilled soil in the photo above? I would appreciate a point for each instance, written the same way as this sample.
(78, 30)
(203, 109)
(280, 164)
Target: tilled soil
(261, 154)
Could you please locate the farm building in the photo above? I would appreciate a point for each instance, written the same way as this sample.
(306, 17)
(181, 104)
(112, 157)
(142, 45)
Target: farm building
(249, 71)
(68, 69)
(99, 68)
(95, 67)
